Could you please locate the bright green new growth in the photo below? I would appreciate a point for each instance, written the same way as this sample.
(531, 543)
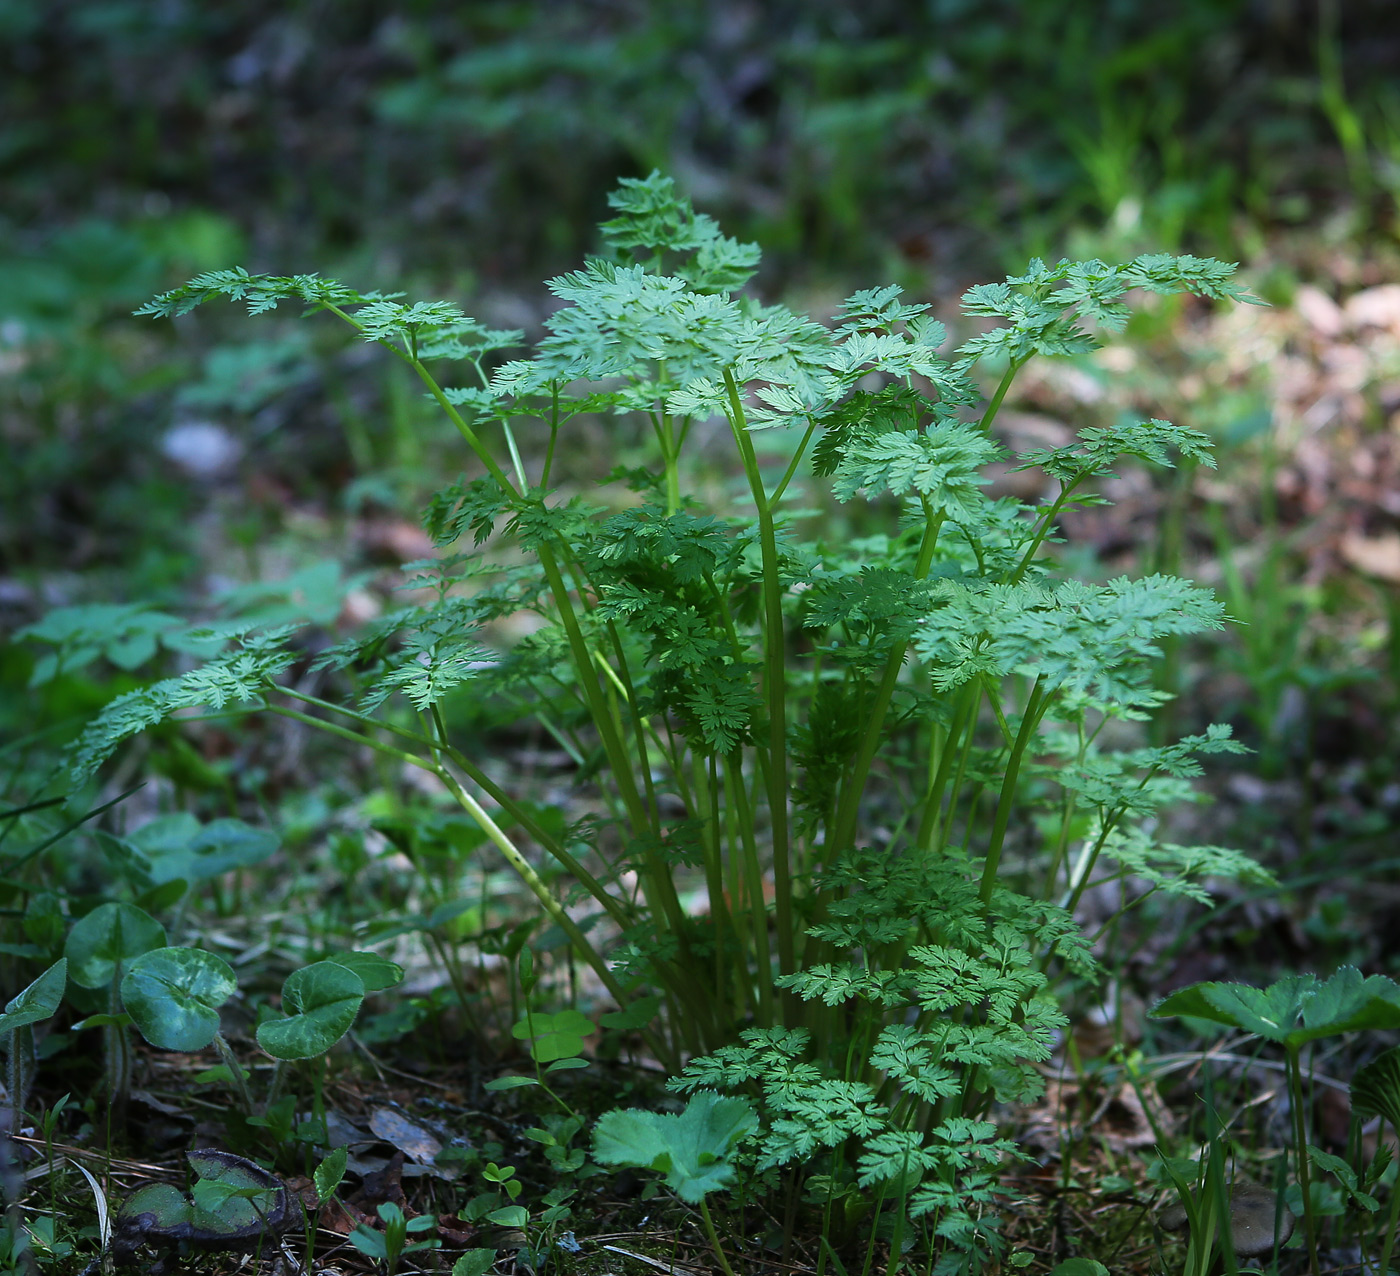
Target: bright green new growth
(691, 1149)
(773, 681)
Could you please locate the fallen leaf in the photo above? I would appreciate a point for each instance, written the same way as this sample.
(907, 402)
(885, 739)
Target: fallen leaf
(1374, 555)
(1321, 314)
(1376, 308)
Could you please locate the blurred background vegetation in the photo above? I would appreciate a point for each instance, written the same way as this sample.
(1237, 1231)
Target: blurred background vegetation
(466, 150)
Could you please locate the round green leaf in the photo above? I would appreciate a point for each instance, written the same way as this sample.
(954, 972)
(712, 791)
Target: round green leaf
(107, 939)
(37, 1002)
(323, 999)
(173, 995)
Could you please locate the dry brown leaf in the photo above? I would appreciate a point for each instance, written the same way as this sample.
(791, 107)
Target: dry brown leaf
(1374, 555)
(1323, 315)
(1376, 308)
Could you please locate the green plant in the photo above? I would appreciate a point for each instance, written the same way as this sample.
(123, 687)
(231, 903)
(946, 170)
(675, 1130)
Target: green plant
(390, 1245)
(36, 1003)
(1293, 1012)
(693, 1149)
(783, 687)
(1375, 1091)
(231, 1202)
(172, 996)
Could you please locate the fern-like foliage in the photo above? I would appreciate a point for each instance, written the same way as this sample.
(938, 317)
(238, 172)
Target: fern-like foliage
(706, 667)
(244, 673)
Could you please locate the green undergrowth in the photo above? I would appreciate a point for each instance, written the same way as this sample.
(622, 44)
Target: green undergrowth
(839, 799)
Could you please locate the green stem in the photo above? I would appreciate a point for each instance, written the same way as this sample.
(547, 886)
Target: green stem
(968, 696)
(753, 870)
(1079, 882)
(792, 465)
(714, 1238)
(1042, 529)
(435, 390)
(775, 682)
(848, 810)
(1300, 1145)
(1003, 386)
(1030, 719)
(553, 433)
(1394, 1219)
(536, 884)
(235, 1073)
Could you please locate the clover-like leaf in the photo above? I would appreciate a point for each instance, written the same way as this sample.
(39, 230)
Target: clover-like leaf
(37, 1002)
(173, 996)
(107, 940)
(324, 999)
(554, 1037)
(691, 1149)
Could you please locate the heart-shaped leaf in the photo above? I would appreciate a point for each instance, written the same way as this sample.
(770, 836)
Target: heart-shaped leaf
(323, 999)
(375, 972)
(173, 995)
(108, 939)
(37, 1002)
(554, 1037)
(234, 1199)
(691, 1149)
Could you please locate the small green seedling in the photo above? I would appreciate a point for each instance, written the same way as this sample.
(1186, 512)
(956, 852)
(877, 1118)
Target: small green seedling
(100, 949)
(692, 1149)
(1293, 1012)
(322, 1001)
(36, 1003)
(390, 1245)
(173, 996)
(555, 1040)
(233, 1202)
(555, 1037)
(1375, 1091)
